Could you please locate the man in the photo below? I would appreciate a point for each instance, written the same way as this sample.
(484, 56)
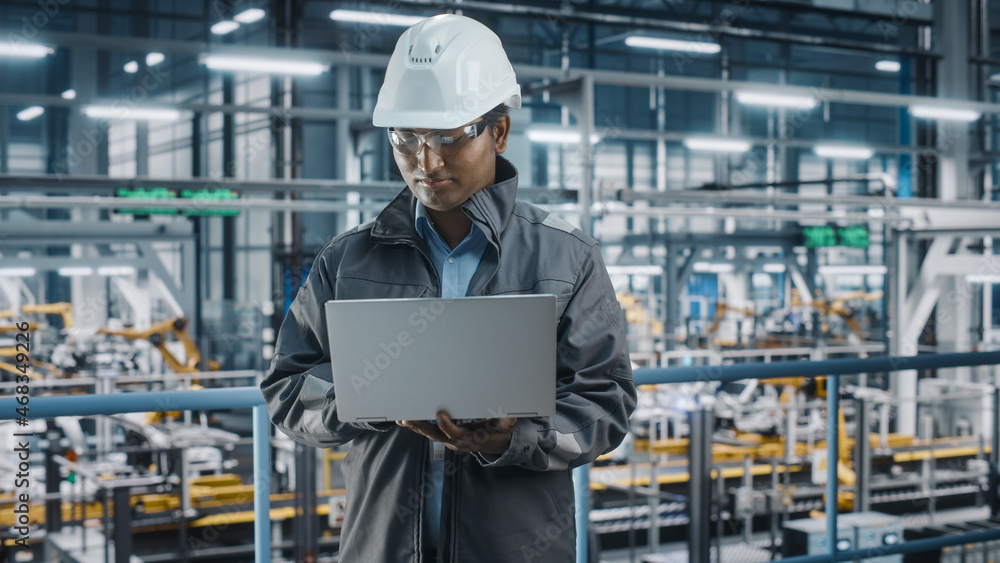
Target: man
(499, 490)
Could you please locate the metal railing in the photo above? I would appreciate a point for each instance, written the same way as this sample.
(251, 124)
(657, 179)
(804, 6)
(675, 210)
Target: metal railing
(250, 397)
(832, 369)
(164, 401)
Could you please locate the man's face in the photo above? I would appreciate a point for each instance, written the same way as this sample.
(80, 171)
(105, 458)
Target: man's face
(443, 183)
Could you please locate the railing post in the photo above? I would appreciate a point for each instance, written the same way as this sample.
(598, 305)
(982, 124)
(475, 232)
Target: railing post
(862, 455)
(262, 485)
(123, 525)
(699, 502)
(581, 487)
(994, 496)
(832, 457)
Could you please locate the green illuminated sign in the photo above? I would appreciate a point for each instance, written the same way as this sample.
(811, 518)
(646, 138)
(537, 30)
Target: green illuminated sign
(220, 194)
(194, 195)
(854, 236)
(146, 194)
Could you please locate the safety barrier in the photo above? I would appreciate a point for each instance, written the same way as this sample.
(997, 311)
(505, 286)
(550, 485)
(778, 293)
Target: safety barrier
(250, 397)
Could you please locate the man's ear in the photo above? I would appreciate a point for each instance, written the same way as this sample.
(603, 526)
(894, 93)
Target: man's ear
(501, 129)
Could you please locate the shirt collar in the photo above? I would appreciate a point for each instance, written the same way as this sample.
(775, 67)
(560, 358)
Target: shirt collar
(422, 220)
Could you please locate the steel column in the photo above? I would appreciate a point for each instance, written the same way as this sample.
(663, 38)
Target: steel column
(699, 502)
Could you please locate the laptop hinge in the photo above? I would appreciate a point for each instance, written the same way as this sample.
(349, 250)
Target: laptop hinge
(372, 419)
(522, 414)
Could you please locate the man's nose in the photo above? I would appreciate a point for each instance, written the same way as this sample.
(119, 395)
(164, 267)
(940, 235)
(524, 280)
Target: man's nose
(428, 160)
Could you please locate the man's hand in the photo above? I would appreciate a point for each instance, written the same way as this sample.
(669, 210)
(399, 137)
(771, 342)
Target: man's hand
(490, 436)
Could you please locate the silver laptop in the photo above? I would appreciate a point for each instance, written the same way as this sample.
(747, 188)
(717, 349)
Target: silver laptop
(475, 357)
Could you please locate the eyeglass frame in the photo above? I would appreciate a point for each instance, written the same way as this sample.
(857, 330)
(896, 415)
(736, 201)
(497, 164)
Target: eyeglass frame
(479, 127)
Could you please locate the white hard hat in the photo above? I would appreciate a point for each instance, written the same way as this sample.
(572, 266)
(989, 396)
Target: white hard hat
(445, 72)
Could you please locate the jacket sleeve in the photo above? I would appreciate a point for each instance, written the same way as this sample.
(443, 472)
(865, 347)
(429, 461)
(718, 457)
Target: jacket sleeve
(595, 394)
(298, 387)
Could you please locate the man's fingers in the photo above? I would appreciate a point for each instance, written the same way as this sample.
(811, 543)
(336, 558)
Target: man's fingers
(425, 428)
(450, 429)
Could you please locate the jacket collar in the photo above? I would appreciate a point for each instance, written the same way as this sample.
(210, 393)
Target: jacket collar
(490, 208)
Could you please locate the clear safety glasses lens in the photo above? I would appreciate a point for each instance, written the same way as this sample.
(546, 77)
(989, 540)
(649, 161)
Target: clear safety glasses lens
(444, 143)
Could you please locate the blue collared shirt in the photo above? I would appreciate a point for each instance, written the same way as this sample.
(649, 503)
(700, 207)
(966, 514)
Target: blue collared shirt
(455, 269)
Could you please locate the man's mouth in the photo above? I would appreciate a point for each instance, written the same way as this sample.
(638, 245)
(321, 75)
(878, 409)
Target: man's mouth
(434, 182)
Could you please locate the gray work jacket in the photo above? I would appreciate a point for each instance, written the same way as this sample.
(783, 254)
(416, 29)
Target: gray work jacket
(520, 507)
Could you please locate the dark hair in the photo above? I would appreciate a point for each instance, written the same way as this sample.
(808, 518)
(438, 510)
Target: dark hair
(496, 114)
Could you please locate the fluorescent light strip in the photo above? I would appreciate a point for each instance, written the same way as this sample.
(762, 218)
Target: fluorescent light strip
(27, 114)
(713, 268)
(557, 136)
(982, 278)
(950, 114)
(71, 271)
(718, 144)
(887, 66)
(153, 59)
(661, 44)
(17, 272)
(223, 27)
(69, 94)
(637, 270)
(135, 113)
(380, 18)
(775, 100)
(17, 50)
(871, 270)
(116, 271)
(249, 16)
(843, 151)
(269, 66)
(774, 268)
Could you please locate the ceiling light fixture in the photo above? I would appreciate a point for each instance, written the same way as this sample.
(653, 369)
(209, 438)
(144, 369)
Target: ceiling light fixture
(718, 144)
(249, 16)
(945, 113)
(775, 100)
(27, 114)
(380, 18)
(557, 136)
(70, 271)
(887, 66)
(15, 50)
(223, 27)
(695, 47)
(264, 65)
(844, 151)
(124, 113)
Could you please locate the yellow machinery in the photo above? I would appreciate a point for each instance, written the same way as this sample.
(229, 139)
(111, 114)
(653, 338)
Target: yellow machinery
(635, 313)
(721, 308)
(839, 307)
(10, 314)
(63, 309)
(157, 336)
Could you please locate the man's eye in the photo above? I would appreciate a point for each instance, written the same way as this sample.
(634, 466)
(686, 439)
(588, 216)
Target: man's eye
(449, 140)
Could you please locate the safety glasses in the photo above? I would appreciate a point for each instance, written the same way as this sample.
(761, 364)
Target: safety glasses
(444, 143)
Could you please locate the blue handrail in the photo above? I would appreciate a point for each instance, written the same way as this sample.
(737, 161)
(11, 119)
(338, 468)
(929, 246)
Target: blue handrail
(243, 397)
(203, 399)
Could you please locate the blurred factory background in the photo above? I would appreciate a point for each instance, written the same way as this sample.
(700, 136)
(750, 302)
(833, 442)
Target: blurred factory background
(770, 181)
